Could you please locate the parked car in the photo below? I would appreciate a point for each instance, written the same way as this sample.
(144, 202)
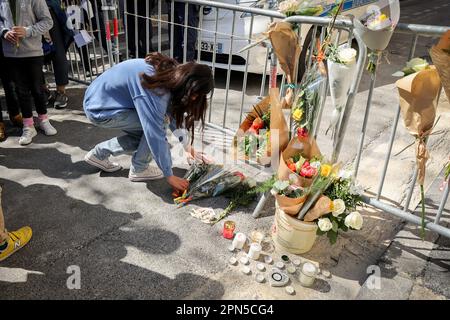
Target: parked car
(258, 54)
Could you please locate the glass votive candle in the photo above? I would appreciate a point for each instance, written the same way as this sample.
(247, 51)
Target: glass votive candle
(228, 229)
(308, 274)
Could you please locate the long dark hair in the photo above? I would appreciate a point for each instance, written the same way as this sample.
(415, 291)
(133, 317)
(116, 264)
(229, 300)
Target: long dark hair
(188, 84)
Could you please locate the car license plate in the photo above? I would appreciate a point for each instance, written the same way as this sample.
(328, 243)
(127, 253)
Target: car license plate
(209, 46)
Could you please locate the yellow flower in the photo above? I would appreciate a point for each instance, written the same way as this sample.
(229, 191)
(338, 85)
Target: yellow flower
(297, 114)
(325, 170)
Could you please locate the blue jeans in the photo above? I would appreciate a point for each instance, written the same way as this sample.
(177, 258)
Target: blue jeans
(133, 142)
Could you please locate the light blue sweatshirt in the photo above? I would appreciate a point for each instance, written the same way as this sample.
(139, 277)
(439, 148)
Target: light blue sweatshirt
(120, 89)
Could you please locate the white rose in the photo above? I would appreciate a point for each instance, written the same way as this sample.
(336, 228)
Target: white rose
(324, 224)
(345, 174)
(288, 6)
(347, 55)
(338, 207)
(354, 220)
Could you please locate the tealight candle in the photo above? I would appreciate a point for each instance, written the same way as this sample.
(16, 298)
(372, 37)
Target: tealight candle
(260, 267)
(243, 260)
(254, 251)
(239, 240)
(246, 270)
(228, 229)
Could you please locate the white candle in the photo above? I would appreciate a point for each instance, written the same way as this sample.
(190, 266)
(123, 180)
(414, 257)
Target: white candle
(239, 240)
(308, 274)
(255, 251)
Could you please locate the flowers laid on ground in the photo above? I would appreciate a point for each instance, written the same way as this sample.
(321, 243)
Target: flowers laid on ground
(341, 63)
(300, 7)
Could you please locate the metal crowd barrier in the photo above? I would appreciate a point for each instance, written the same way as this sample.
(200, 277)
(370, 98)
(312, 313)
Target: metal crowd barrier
(109, 47)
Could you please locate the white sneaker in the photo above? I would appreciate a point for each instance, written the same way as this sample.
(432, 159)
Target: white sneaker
(105, 165)
(48, 129)
(151, 173)
(28, 133)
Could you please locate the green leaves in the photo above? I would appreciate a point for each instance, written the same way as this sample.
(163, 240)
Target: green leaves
(280, 185)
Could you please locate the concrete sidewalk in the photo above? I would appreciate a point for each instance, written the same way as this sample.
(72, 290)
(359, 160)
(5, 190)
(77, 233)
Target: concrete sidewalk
(131, 242)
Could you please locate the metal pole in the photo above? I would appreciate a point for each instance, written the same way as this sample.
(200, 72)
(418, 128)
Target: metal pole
(247, 58)
(394, 131)
(230, 57)
(443, 202)
(214, 62)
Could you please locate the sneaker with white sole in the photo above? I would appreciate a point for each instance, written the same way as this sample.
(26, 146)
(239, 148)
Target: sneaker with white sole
(105, 165)
(28, 133)
(151, 173)
(47, 127)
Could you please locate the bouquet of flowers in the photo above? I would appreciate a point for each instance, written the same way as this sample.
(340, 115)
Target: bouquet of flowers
(209, 180)
(338, 209)
(300, 160)
(341, 63)
(300, 7)
(376, 27)
(254, 135)
(418, 94)
(290, 197)
(309, 97)
(440, 54)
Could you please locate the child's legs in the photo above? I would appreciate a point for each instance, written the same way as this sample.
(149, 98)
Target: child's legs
(35, 75)
(20, 75)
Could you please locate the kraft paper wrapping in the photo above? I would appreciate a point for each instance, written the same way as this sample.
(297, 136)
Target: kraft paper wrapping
(441, 59)
(287, 49)
(290, 206)
(308, 148)
(277, 122)
(277, 125)
(418, 101)
(321, 208)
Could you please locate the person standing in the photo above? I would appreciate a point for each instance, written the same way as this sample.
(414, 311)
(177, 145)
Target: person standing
(61, 38)
(179, 29)
(139, 49)
(11, 100)
(22, 24)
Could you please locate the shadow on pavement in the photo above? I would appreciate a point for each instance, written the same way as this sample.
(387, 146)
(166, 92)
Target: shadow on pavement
(117, 259)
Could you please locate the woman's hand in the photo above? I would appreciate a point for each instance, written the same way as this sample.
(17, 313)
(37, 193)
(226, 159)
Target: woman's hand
(193, 156)
(177, 183)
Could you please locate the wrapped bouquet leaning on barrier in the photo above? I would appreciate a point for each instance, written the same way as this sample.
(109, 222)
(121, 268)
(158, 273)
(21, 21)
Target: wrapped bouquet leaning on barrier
(376, 27)
(440, 54)
(418, 94)
(263, 132)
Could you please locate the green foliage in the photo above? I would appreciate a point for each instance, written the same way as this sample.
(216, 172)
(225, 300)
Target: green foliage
(341, 189)
(244, 195)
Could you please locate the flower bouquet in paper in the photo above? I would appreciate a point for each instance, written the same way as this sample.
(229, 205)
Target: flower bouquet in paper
(440, 54)
(341, 62)
(376, 26)
(290, 197)
(309, 98)
(287, 48)
(418, 94)
(300, 160)
(254, 139)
